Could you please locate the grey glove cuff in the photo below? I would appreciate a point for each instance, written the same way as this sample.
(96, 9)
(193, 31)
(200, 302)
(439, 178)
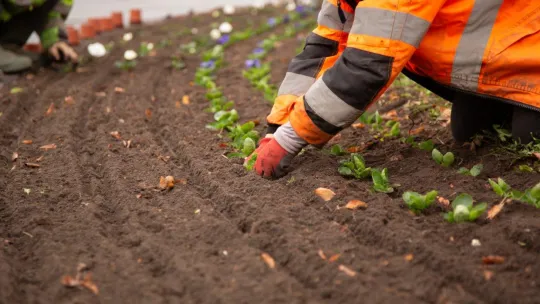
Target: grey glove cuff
(289, 140)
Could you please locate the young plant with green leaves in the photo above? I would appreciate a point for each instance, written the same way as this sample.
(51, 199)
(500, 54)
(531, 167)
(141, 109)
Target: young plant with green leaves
(250, 163)
(417, 202)
(426, 145)
(354, 167)
(381, 183)
(474, 171)
(337, 150)
(223, 120)
(242, 137)
(463, 209)
(445, 160)
(529, 196)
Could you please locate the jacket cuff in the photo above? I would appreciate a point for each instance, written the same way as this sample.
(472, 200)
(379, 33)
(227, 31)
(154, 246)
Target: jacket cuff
(289, 140)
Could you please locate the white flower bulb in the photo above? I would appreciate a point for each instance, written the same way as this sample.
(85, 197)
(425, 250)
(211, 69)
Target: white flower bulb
(130, 55)
(228, 9)
(225, 28)
(97, 49)
(127, 36)
(150, 46)
(215, 34)
(291, 6)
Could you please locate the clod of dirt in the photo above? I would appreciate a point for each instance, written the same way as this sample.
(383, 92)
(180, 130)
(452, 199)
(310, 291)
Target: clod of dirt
(48, 147)
(355, 204)
(268, 260)
(347, 270)
(325, 194)
(493, 259)
(166, 183)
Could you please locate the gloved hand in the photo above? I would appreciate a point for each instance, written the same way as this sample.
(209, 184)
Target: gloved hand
(272, 160)
(61, 51)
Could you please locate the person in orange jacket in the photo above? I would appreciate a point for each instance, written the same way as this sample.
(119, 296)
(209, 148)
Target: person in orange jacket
(482, 55)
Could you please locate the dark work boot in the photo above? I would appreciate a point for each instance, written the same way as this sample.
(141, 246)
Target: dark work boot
(13, 63)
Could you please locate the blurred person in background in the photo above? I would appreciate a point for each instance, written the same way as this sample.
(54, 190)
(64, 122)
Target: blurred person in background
(20, 18)
(482, 55)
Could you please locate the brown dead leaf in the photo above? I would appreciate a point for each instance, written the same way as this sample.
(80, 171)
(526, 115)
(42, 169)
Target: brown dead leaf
(355, 204)
(166, 183)
(492, 259)
(358, 125)
(334, 258)
(347, 270)
(27, 141)
(321, 254)
(492, 213)
(325, 194)
(268, 260)
(32, 165)
(88, 284)
(48, 147)
(417, 131)
(178, 104)
(153, 98)
(14, 156)
(390, 115)
(69, 100)
(116, 135)
(101, 94)
(126, 143)
(488, 275)
(148, 113)
(39, 158)
(70, 281)
(50, 109)
(30, 76)
(165, 159)
(119, 90)
(181, 181)
(443, 201)
(138, 195)
(334, 140)
(185, 99)
(409, 257)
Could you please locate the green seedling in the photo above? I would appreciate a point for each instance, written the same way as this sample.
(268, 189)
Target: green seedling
(145, 49)
(248, 146)
(501, 188)
(474, 171)
(532, 196)
(463, 209)
(381, 182)
(526, 169)
(126, 65)
(163, 43)
(502, 134)
(426, 145)
(16, 90)
(529, 196)
(337, 150)
(445, 160)
(394, 129)
(417, 202)
(354, 167)
(223, 120)
(177, 63)
(251, 162)
(240, 133)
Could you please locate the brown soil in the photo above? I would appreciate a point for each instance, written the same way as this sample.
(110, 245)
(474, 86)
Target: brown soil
(92, 201)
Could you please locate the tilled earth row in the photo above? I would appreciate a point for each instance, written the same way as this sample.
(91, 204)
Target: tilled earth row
(93, 200)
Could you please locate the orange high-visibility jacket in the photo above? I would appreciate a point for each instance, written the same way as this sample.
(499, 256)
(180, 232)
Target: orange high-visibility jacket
(489, 48)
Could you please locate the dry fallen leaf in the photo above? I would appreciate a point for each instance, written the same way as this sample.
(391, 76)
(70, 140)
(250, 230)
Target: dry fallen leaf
(178, 104)
(32, 165)
(347, 270)
(492, 259)
(443, 201)
(390, 115)
(488, 275)
(138, 195)
(268, 260)
(166, 183)
(39, 158)
(181, 181)
(185, 99)
(70, 281)
(101, 94)
(409, 257)
(14, 156)
(50, 109)
(119, 90)
(48, 147)
(116, 135)
(325, 194)
(334, 258)
(417, 130)
(165, 159)
(355, 204)
(27, 141)
(358, 125)
(321, 254)
(148, 113)
(492, 213)
(69, 100)
(88, 284)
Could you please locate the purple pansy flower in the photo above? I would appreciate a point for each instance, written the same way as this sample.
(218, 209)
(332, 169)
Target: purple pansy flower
(223, 39)
(258, 51)
(210, 64)
(253, 63)
(272, 22)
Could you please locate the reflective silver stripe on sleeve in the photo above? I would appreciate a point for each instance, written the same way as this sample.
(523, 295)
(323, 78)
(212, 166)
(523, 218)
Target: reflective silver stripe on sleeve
(295, 84)
(330, 107)
(389, 24)
(329, 17)
(474, 39)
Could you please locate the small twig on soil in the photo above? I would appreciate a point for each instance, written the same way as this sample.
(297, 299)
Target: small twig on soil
(28, 234)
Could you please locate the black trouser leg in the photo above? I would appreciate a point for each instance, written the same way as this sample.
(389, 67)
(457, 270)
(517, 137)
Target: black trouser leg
(470, 116)
(19, 28)
(525, 124)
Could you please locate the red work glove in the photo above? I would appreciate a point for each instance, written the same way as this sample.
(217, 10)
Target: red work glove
(272, 160)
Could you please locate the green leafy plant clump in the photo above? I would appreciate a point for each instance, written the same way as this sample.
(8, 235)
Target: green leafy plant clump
(354, 167)
(445, 160)
(474, 171)
(463, 209)
(530, 196)
(426, 145)
(417, 202)
(381, 183)
(337, 150)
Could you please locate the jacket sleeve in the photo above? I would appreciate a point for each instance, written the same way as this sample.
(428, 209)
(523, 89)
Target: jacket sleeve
(323, 47)
(55, 29)
(383, 38)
